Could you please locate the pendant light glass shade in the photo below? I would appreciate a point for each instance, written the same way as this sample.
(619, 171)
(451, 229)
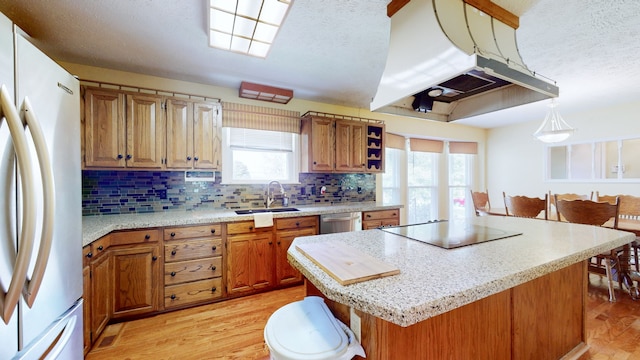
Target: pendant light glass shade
(553, 128)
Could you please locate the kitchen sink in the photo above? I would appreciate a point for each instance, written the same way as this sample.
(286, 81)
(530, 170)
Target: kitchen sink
(255, 211)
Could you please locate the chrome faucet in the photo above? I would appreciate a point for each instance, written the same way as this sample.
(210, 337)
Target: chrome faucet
(269, 197)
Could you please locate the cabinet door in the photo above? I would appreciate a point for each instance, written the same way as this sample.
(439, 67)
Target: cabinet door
(145, 131)
(179, 134)
(322, 144)
(286, 273)
(100, 294)
(86, 309)
(135, 280)
(249, 262)
(206, 136)
(104, 128)
(350, 146)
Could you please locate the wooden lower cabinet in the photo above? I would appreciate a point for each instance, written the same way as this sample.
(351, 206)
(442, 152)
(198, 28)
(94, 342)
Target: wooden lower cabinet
(250, 259)
(378, 218)
(96, 276)
(193, 266)
(257, 258)
(135, 280)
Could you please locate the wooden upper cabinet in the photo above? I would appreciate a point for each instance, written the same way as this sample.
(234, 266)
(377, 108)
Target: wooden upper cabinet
(350, 146)
(318, 144)
(104, 128)
(123, 129)
(193, 135)
(206, 136)
(179, 134)
(335, 143)
(145, 131)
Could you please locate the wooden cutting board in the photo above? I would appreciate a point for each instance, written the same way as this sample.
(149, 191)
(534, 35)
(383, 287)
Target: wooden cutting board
(346, 264)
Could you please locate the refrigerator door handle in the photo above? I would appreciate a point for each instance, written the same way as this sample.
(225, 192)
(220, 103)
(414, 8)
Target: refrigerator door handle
(9, 300)
(48, 190)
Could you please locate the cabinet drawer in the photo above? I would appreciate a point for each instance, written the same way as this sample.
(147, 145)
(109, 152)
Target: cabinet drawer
(371, 224)
(86, 255)
(176, 295)
(298, 222)
(194, 249)
(244, 227)
(381, 214)
(177, 233)
(184, 271)
(134, 237)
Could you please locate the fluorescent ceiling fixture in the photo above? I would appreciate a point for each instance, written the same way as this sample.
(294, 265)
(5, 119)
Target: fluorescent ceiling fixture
(246, 26)
(265, 93)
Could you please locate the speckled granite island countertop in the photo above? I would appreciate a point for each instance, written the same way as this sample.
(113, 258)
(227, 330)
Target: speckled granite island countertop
(433, 280)
(94, 227)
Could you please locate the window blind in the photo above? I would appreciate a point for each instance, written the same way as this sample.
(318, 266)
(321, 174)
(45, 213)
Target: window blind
(241, 138)
(459, 147)
(394, 141)
(260, 118)
(424, 145)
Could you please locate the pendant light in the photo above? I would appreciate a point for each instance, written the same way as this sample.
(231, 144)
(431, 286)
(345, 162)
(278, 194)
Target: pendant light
(553, 128)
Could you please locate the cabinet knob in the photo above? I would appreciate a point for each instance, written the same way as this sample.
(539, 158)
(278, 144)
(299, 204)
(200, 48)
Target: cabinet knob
(173, 234)
(213, 268)
(147, 236)
(195, 158)
(128, 156)
(394, 214)
(213, 289)
(89, 255)
(173, 273)
(250, 227)
(213, 231)
(278, 243)
(120, 156)
(297, 223)
(214, 248)
(154, 258)
(188, 157)
(173, 296)
(100, 247)
(173, 252)
(314, 163)
(270, 242)
(368, 215)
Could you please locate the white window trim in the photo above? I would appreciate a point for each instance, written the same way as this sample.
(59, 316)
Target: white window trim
(227, 164)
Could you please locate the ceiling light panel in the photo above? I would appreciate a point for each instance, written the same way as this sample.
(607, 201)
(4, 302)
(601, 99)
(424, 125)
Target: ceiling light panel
(246, 26)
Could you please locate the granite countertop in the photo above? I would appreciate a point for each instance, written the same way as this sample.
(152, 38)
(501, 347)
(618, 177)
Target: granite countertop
(433, 280)
(94, 227)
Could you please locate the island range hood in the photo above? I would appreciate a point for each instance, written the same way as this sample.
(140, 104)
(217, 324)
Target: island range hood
(448, 60)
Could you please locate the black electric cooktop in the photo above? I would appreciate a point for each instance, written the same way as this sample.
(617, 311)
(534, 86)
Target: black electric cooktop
(450, 235)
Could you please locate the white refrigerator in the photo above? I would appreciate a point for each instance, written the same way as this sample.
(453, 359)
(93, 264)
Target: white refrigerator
(40, 211)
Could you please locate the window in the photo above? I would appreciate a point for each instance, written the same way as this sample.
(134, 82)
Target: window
(259, 156)
(460, 176)
(392, 177)
(422, 189)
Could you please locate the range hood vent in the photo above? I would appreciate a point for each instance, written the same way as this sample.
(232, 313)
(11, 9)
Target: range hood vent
(469, 58)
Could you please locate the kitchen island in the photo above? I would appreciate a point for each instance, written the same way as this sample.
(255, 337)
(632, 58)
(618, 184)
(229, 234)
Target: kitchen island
(520, 297)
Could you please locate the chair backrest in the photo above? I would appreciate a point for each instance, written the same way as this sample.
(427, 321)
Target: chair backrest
(629, 205)
(588, 212)
(480, 201)
(565, 196)
(522, 206)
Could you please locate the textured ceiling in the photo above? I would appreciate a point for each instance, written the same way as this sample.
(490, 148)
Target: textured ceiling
(334, 51)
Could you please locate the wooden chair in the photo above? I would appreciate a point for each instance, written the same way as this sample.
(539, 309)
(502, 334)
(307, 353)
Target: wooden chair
(481, 203)
(595, 213)
(522, 206)
(565, 196)
(629, 210)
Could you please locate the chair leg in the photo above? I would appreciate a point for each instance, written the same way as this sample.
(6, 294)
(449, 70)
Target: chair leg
(635, 257)
(607, 266)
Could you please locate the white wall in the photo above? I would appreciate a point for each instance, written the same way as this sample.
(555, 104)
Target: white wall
(516, 160)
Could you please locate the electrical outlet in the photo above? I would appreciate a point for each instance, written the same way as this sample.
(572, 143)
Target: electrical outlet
(354, 323)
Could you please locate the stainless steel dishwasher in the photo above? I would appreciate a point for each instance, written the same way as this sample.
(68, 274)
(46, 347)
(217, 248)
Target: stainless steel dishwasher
(341, 222)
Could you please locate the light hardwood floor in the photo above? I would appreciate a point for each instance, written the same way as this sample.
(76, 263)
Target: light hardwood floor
(234, 329)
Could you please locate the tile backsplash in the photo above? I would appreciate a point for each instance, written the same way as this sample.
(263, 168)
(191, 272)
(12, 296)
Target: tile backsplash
(121, 192)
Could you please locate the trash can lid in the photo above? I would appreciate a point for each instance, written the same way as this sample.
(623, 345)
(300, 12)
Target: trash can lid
(305, 330)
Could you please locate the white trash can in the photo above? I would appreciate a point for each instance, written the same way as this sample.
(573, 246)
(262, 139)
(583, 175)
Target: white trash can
(306, 330)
